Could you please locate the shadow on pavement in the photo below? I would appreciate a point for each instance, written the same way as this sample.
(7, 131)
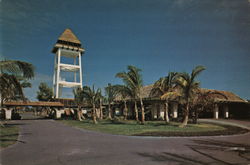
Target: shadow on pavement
(242, 150)
(171, 157)
(204, 148)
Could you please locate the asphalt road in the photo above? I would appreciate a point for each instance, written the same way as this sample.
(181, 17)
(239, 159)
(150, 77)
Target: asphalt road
(47, 142)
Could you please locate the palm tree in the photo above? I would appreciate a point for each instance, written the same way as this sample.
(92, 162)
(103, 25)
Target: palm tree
(10, 70)
(79, 99)
(92, 96)
(163, 88)
(124, 93)
(188, 86)
(111, 94)
(133, 80)
(204, 101)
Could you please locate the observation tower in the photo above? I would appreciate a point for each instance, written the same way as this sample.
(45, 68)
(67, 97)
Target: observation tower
(68, 67)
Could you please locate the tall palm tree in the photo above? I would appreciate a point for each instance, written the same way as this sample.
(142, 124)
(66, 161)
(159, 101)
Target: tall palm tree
(133, 80)
(92, 96)
(110, 94)
(124, 93)
(10, 70)
(204, 101)
(189, 86)
(163, 88)
(79, 100)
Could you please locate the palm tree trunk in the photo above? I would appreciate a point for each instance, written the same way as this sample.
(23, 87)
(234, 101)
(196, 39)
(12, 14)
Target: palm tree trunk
(136, 112)
(1, 106)
(166, 118)
(79, 114)
(94, 114)
(185, 121)
(196, 115)
(1, 100)
(110, 116)
(101, 113)
(142, 112)
(125, 110)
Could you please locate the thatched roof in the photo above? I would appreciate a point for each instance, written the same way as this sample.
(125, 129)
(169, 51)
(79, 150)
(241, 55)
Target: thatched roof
(68, 40)
(69, 36)
(146, 91)
(229, 96)
(35, 103)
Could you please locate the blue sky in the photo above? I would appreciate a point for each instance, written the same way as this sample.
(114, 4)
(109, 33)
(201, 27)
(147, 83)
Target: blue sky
(157, 36)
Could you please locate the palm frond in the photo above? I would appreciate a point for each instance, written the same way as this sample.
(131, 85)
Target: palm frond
(110, 92)
(17, 68)
(10, 86)
(123, 91)
(132, 79)
(171, 95)
(26, 84)
(196, 71)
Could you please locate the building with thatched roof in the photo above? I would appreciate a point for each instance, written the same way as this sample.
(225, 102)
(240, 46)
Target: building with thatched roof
(221, 104)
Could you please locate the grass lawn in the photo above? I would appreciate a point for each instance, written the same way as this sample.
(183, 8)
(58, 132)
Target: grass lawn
(8, 135)
(152, 128)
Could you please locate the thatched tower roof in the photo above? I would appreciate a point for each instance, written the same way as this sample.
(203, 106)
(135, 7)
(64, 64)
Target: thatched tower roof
(68, 40)
(69, 36)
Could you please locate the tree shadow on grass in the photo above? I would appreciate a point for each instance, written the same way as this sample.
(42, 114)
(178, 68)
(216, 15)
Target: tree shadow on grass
(114, 122)
(11, 140)
(14, 124)
(38, 118)
(9, 135)
(162, 124)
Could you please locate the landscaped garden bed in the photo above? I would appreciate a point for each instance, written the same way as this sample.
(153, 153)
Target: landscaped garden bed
(155, 128)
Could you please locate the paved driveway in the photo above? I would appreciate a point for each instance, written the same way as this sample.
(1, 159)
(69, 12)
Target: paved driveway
(43, 142)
